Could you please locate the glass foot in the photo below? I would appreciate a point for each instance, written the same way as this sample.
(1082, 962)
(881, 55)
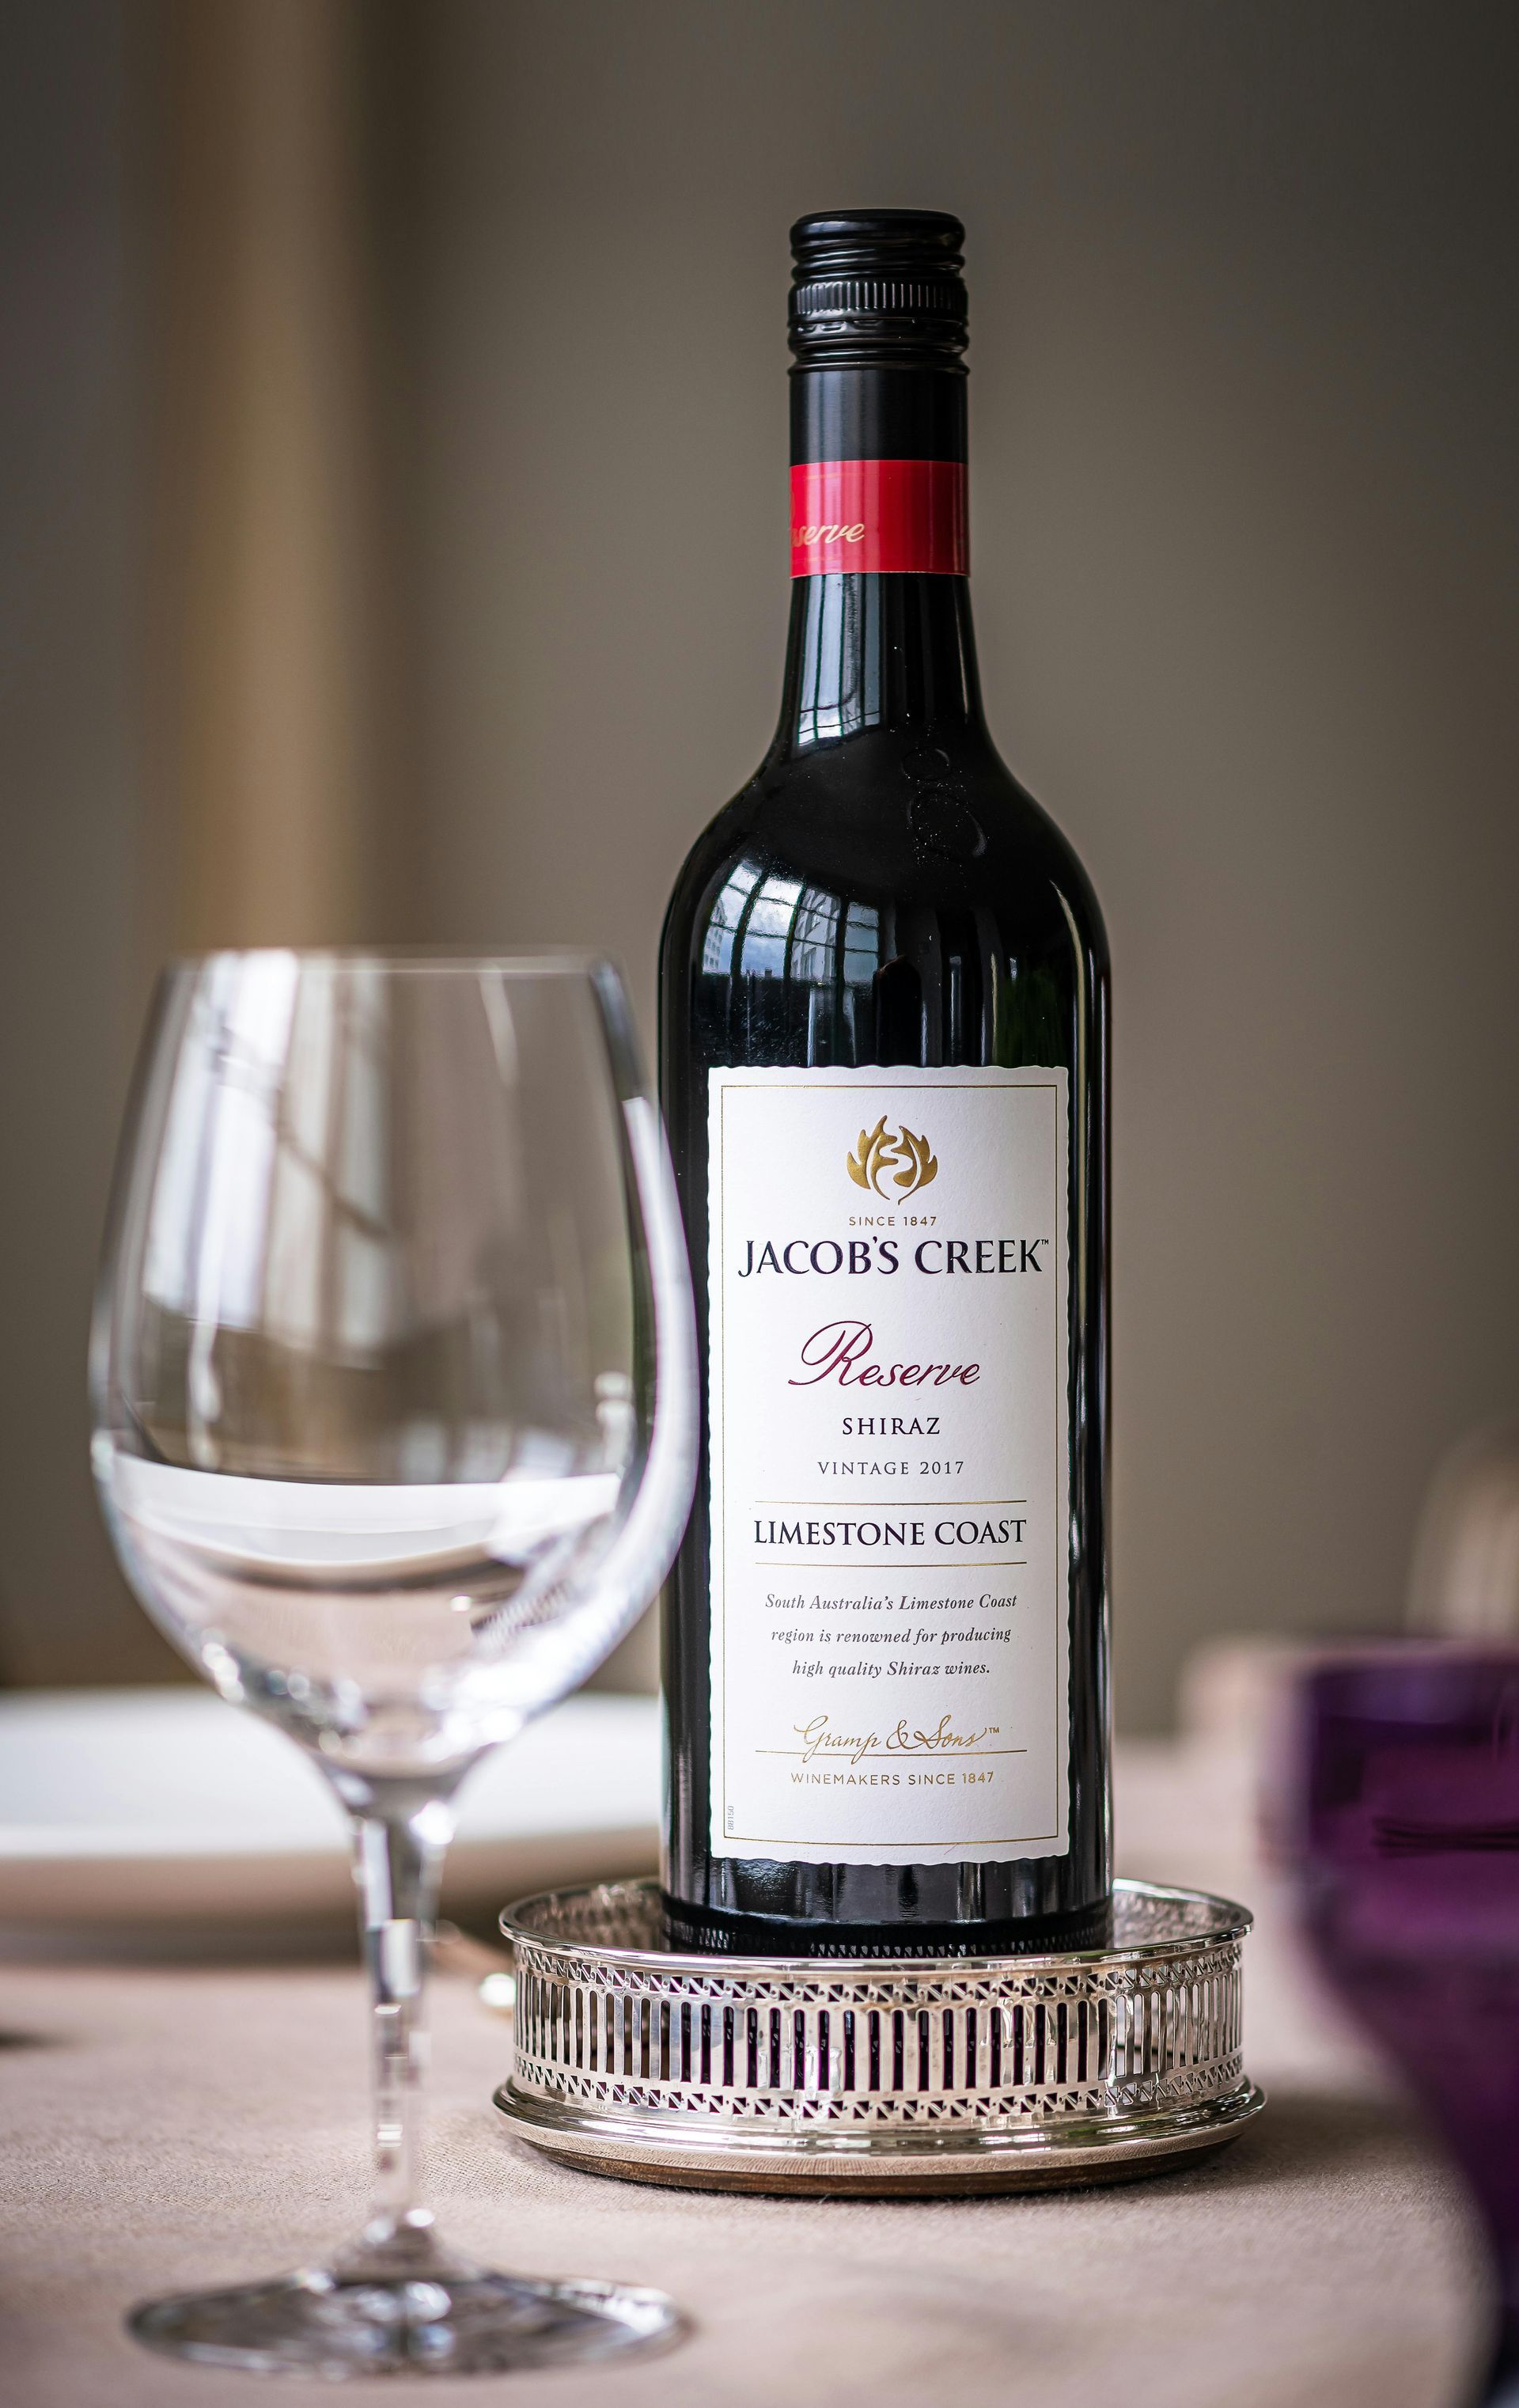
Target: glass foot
(331, 2323)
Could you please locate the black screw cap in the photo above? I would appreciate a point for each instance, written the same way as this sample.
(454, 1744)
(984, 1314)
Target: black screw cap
(878, 285)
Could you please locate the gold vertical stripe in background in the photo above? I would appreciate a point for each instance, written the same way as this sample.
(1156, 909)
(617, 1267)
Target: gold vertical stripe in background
(270, 749)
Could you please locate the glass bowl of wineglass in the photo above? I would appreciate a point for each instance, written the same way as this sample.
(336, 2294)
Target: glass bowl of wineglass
(394, 1394)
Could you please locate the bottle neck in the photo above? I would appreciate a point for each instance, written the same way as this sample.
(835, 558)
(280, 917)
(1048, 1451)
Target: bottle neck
(880, 637)
(871, 653)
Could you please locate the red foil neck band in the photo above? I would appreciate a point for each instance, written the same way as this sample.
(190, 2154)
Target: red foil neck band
(888, 517)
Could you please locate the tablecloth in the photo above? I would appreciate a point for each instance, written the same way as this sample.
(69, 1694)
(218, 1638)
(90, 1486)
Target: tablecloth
(172, 2125)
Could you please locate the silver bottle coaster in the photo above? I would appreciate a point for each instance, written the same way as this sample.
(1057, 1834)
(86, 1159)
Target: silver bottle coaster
(872, 2077)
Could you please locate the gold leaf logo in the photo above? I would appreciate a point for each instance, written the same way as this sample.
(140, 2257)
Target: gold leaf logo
(906, 1162)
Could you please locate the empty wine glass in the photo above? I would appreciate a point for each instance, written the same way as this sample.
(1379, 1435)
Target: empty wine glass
(393, 1388)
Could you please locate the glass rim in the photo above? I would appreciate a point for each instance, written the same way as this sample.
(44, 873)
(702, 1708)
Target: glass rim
(537, 961)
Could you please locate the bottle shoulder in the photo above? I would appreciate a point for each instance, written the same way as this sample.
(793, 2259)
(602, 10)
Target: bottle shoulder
(891, 823)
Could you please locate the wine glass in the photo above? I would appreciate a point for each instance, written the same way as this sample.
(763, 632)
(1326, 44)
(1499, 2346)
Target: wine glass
(393, 1390)
(1404, 1824)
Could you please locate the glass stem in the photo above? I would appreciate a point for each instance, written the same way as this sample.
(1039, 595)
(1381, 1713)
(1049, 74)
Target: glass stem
(399, 1838)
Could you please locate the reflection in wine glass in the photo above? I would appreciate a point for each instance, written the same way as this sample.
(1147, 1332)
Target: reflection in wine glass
(394, 1429)
(1407, 1839)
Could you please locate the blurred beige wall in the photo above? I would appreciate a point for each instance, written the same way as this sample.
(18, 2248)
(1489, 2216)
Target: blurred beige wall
(1243, 413)
(1244, 377)
(75, 902)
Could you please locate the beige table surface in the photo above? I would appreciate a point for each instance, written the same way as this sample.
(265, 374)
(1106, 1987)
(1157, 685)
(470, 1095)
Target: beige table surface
(179, 2124)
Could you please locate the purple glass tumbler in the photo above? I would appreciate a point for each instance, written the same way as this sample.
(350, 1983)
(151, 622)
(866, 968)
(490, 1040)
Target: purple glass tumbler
(1408, 1842)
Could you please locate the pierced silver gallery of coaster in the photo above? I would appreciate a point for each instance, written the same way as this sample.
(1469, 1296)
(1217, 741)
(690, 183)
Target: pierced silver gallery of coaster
(882, 2076)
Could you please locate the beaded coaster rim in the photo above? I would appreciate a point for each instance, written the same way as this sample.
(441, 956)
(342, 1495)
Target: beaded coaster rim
(530, 1921)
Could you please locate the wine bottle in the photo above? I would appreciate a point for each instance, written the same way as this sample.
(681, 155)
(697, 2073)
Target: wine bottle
(884, 1063)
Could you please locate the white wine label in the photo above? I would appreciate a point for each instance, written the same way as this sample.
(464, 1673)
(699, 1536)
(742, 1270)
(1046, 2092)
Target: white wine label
(890, 1506)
